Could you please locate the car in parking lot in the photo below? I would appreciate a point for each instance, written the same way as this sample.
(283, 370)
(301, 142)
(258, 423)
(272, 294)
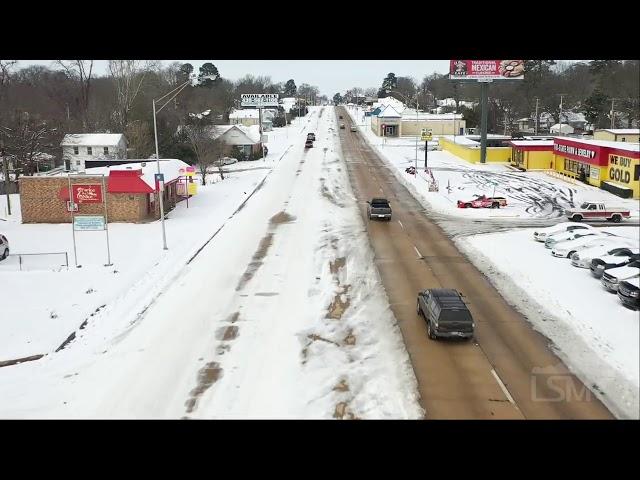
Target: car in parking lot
(629, 293)
(567, 248)
(446, 314)
(601, 264)
(612, 277)
(541, 234)
(4, 247)
(556, 238)
(582, 258)
(226, 161)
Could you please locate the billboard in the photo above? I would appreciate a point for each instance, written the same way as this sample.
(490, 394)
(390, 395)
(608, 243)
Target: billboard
(87, 193)
(486, 69)
(259, 99)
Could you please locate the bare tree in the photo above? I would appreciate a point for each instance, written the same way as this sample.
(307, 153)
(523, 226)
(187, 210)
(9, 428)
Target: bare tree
(129, 76)
(81, 71)
(207, 149)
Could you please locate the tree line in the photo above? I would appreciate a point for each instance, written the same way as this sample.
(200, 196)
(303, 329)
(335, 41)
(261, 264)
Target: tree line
(588, 87)
(40, 104)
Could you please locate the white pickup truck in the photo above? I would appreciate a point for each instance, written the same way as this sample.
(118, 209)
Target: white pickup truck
(591, 210)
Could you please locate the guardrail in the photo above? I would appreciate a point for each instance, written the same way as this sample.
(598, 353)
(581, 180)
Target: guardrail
(20, 255)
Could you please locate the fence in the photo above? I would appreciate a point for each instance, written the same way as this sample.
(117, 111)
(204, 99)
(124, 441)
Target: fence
(22, 263)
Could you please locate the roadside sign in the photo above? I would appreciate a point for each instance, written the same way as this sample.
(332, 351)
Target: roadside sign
(72, 207)
(89, 223)
(426, 134)
(159, 177)
(259, 99)
(87, 193)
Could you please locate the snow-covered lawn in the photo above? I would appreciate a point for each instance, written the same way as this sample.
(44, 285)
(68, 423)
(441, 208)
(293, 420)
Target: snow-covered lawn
(528, 194)
(281, 315)
(44, 303)
(593, 332)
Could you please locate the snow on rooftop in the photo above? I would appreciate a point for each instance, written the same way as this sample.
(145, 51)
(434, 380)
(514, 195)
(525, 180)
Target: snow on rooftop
(535, 143)
(92, 139)
(621, 131)
(248, 113)
(169, 166)
(628, 146)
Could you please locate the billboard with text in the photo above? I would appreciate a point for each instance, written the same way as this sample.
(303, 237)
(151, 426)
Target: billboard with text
(486, 69)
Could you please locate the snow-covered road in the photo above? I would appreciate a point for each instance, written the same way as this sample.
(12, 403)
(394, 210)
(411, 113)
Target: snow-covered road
(281, 315)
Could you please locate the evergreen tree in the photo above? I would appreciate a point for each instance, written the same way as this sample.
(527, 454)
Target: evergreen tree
(208, 75)
(290, 89)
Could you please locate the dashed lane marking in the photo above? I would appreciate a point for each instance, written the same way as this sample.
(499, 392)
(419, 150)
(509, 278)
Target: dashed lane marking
(502, 386)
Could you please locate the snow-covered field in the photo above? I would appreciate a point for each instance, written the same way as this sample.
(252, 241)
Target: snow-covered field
(597, 337)
(281, 314)
(532, 195)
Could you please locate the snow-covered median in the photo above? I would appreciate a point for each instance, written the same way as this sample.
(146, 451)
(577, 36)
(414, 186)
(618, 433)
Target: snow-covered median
(595, 335)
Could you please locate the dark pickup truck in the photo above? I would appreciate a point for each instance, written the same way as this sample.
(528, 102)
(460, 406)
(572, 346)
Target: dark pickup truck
(446, 314)
(379, 208)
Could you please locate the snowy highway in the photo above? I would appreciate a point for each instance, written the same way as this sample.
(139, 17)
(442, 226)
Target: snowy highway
(488, 379)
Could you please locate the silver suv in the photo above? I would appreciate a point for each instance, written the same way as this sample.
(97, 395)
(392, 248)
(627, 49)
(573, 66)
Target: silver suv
(4, 247)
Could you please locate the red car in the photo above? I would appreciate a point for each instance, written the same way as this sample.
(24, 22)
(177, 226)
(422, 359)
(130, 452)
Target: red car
(482, 201)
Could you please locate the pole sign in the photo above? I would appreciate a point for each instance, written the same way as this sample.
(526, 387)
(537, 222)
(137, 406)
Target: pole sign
(483, 70)
(87, 193)
(259, 100)
(89, 223)
(426, 134)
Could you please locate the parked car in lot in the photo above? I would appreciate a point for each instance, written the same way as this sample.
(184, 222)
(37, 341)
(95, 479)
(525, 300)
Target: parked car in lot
(567, 248)
(552, 240)
(601, 264)
(582, 258)
(482, 201)
(446, 313)
(629, 293)
(541, 234)
(226, 161)
(311, 136)
(612, 277)
(597, 210)
(379, 208)
(4, 247)
(353, 128)
(308, 144)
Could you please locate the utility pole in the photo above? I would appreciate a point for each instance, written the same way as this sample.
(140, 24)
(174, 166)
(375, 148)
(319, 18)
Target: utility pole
(536, 130)
(613, 113)
(5, 164)
(562, 95)
(484, 94)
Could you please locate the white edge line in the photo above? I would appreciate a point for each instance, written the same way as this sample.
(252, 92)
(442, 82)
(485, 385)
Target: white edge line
(400, 223)
(502, 386)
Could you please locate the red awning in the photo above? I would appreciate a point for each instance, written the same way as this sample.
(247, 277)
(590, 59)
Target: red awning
(127, 181)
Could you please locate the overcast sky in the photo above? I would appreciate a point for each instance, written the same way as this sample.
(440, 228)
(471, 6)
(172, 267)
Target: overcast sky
(330, 76)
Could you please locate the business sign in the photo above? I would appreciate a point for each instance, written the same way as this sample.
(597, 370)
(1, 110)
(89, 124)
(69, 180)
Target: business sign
(259, 99)
(426, 134)
(621, 169)
(88, 223)
(576, 153)
(486, 69)
(87, 193)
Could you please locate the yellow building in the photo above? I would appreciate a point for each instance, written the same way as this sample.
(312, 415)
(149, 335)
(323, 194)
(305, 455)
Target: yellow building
(391, 123)
(618, 135)
(467, 148)
(532, 154)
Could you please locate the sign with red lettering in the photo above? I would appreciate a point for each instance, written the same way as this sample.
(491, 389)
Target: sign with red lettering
(87, 193)
(486, 69)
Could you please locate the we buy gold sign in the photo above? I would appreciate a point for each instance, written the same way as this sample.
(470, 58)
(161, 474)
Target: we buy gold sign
(87, 193)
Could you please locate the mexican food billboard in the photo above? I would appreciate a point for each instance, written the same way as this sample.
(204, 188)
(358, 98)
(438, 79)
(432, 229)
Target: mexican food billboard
(486, 69)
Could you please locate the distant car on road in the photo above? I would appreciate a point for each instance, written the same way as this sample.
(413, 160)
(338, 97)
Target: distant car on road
(410, 170)
(4, 247)
(353, 128)
(379, 208)
(482, 201)
(597, 210)
(342, 126)
(446, 314)
(308, 144)
(311, 136)
(541, 234)
(340, 117)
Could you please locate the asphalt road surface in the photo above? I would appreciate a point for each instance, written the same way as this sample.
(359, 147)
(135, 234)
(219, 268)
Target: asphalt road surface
(508, 371)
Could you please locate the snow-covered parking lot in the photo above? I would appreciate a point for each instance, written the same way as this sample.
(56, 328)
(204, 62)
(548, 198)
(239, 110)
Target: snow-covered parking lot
(530, 195)
(591, 330)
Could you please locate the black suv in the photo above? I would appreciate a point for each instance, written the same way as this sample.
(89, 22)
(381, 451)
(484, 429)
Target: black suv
(446, 313)
(629, 293)
(311, 136)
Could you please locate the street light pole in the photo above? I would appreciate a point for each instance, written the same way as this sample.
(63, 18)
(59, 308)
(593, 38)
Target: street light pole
(160, 185)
